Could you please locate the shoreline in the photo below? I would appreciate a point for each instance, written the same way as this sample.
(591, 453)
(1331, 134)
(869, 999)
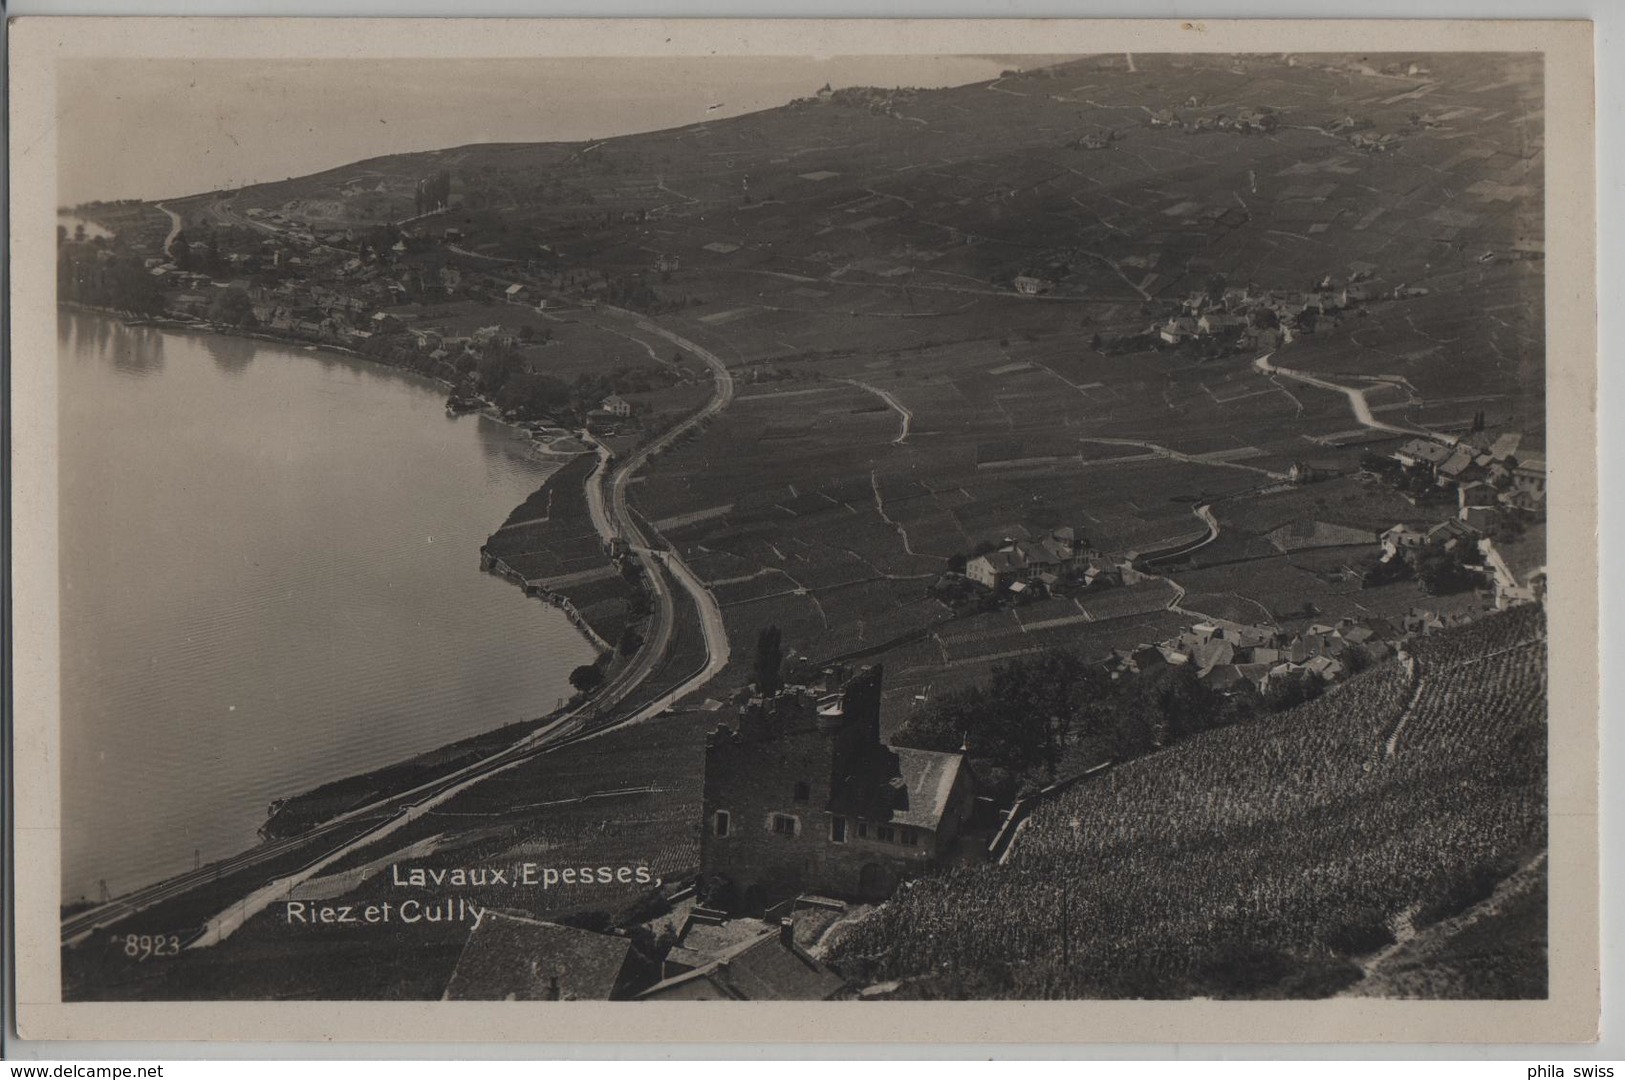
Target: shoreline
(400, 774)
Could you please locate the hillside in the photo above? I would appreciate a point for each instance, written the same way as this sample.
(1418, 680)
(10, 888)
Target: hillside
(855, 256)
(1372, 829)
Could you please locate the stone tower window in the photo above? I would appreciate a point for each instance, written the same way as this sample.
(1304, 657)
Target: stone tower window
(720, 823)
(803, 791)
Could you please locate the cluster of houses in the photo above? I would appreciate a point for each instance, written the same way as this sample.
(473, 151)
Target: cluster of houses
(1250, 122)
(1260, 318)
(1022, 567)
(1225, 654)
(1487, 472)
(1372, 142)
(1513, 566)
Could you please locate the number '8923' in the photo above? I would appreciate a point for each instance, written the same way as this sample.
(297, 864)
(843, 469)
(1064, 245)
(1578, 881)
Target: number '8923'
(148, 946)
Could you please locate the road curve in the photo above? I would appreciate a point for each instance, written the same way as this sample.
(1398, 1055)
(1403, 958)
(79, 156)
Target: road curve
(174, 227)
(1356, 396)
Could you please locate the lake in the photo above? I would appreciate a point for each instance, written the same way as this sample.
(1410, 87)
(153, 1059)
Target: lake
(270, 579)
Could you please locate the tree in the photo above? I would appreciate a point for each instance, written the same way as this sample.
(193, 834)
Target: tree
(233, 308)
(1443, 571)
(631, 641)
(769, 659)
(587, 678)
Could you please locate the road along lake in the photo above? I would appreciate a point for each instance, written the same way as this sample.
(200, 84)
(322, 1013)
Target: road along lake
(270, 579)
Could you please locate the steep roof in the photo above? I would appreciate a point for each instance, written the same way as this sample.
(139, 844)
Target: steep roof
(512, 958)
(928, 776)
(1003, 561)
(1458, 462)
(1430, 452)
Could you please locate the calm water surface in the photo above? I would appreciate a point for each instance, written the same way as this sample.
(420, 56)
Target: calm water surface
(270, 579)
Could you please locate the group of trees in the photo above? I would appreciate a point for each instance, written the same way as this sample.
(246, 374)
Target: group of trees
(1053, 715)
(94, 276)
(1056, 713)
(506, 380)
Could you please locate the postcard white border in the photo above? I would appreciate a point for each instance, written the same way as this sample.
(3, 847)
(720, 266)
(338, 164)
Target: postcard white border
(37, 44)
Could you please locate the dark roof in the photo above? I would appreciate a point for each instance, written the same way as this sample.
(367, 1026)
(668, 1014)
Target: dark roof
(1004, 561)
(1430, 452)
(766, 969)
(512, 958)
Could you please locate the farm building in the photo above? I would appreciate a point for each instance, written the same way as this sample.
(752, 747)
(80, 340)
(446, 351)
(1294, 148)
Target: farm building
(1019, 561)
(1460, 467)
(1421, 453)
(616, 405)
(1400, 537)
(1529, 479)
(801, 794)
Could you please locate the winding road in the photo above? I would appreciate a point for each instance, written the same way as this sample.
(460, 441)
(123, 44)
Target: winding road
(896, 406)
(174, 227)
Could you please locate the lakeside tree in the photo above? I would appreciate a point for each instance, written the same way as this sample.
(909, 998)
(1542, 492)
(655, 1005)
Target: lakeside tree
(232, 308)
(121, 283)
(587, 678)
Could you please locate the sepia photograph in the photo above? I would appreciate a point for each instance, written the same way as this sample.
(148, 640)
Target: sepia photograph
(1052, 523)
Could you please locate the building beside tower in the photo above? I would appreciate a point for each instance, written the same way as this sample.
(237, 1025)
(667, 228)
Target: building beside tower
(802, 795)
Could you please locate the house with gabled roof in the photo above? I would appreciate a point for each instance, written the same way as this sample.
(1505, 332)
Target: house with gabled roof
(802, 795)
(1422, 453)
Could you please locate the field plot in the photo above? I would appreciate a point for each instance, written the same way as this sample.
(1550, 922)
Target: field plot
(1314, 837)
(1307, 585)
(549, 542)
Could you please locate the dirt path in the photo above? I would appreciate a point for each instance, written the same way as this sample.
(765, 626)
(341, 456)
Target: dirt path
(1356, 397)
(174, 228)
(1408, 939)
(897, 406)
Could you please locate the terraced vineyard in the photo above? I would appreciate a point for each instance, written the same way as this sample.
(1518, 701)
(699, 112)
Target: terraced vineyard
(1264, 860)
